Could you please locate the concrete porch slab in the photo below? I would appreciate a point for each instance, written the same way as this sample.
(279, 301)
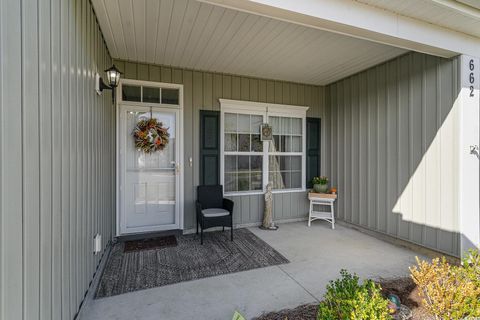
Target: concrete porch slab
(316, 256)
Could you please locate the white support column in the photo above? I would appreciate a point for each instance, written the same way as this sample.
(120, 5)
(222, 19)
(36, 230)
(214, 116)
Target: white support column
(469, 179)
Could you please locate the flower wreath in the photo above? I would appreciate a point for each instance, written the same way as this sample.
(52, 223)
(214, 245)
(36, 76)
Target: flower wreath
(150, 135)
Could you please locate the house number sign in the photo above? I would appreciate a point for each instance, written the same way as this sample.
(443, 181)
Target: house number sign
(471, 72)
(471, 77)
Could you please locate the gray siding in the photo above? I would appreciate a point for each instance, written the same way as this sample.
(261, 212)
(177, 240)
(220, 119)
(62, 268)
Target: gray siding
(392, 151)
(201, 92)
(57, 155)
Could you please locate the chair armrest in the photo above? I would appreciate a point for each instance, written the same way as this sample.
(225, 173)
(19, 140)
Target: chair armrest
(228, 205)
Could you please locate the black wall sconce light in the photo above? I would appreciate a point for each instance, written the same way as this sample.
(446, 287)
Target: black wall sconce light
(113, 78)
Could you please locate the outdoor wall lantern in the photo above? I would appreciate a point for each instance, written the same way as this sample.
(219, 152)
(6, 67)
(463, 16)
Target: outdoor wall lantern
(113, 78)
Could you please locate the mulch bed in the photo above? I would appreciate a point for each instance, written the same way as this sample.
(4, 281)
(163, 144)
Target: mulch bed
(404, 288)
(303, 312)
(407, 291)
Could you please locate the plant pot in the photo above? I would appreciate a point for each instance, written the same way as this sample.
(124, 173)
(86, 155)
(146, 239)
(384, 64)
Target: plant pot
(320, 188)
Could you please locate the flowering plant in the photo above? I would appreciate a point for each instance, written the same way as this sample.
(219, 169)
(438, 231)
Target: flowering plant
(150, 135)
(320, 180)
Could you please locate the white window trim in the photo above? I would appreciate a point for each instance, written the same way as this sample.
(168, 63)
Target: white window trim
(266, 110)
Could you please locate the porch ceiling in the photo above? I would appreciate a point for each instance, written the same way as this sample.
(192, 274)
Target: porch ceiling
(202, 36)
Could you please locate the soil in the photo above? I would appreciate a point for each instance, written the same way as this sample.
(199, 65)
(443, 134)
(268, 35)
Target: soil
(404, 288)
(303, 312)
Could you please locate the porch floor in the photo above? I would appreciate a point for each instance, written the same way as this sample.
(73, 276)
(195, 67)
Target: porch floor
(316, 256)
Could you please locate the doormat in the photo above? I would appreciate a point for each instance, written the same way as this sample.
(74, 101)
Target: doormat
(189, 260)
(150, 244)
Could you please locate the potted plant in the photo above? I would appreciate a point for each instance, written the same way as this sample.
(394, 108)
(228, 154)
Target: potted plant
(320, 184)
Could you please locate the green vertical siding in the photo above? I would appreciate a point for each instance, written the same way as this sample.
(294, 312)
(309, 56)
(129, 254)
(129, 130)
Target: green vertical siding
(201, 92)
(57, 156)
(392, 150)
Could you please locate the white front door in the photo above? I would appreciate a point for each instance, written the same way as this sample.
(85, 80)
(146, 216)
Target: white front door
(150, 185)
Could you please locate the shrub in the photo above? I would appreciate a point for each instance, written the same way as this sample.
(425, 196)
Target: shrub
(447, 291)
(346, 298)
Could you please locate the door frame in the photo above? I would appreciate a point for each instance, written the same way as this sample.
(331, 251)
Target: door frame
(180, 142)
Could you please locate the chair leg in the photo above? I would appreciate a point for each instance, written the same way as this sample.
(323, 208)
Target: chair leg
(201, 235)
(197, 225)
(223, 228)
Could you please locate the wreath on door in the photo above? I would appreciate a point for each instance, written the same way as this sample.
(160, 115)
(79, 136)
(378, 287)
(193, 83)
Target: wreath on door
(150, 135)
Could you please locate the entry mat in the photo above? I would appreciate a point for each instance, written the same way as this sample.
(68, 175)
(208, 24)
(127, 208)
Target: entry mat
(150, 243)
(189, 260)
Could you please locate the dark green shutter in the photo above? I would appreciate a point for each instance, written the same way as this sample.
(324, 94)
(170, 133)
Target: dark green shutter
(313, 149)
(209, 147)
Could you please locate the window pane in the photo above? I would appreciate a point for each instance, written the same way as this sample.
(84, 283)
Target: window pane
(296, 126)
(274, 144)
(230, 182)
(274, 163)
(257, 145)
(296, 180)
(255, 181)
(255, 123)
(243, 181)
(244, 142)
(170, 96)
(243, 163)
(151, 94)
(277, 180)
(283, 143)
(296, 144)
(230, 142)
(286, 180)
(256, 163)
(288, 144)
(275, 124)
(244, 123)
(230, 122)
(285, 126)
(285, 163)
(131, 93)
(230, 163)
(296, 163)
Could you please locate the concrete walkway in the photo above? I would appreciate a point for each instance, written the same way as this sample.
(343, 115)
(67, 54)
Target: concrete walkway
(316, 256)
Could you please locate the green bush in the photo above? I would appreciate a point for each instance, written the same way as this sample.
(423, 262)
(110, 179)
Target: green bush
(346, 298)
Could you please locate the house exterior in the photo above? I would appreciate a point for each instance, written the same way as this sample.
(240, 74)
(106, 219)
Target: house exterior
(381, 97)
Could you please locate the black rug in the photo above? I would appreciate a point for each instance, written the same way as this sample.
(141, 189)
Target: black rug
(189, 260)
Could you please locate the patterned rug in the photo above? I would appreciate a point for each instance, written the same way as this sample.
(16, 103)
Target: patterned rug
(189, 260)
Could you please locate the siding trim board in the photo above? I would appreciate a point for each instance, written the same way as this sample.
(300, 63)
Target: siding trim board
(407, 127)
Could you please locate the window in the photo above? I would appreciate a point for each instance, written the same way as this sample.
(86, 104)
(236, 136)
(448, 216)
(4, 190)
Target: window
(243, 152)
(248, 163)
(139, 93)
(285, 153)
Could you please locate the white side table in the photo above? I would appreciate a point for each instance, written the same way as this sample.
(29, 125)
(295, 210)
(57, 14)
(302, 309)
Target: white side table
(323, 199)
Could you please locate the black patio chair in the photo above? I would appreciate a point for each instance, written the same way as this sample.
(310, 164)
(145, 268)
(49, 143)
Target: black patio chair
(213, 210)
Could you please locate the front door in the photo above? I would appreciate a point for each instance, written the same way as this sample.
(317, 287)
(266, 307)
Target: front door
(149, 186)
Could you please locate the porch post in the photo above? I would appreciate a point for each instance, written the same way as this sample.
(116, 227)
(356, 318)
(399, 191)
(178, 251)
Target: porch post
(469, 173)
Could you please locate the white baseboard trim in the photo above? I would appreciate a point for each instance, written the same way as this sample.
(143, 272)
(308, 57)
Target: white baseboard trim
(247, 225)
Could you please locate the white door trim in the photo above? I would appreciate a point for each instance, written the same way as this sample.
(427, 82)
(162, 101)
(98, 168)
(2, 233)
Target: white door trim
(180, 142)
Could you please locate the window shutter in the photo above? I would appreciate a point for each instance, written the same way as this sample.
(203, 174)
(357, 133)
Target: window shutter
(209, 147)
(313, 149)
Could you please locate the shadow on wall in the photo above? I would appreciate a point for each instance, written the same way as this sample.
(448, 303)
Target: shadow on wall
(394, 149)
